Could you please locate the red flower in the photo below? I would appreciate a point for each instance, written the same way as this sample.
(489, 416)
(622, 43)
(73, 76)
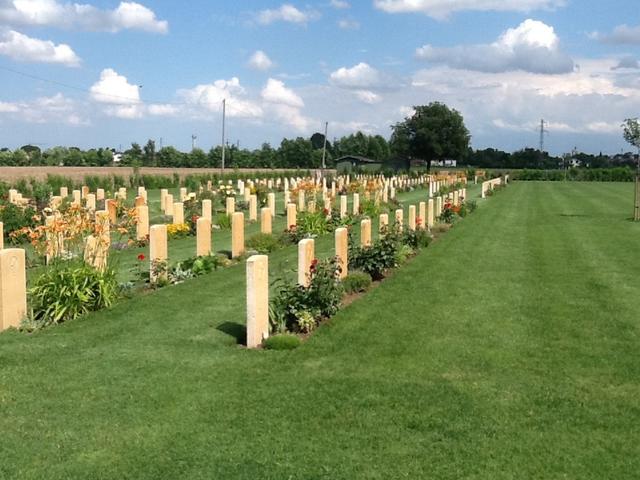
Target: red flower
(325, 211)
(141, 257)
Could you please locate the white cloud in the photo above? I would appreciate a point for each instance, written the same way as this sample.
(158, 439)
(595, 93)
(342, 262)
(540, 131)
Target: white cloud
(340, 4)
(260, 61)
(622, 34)
(347, 24)
(532, 46)
(285, 13)
(128, 15)
(210, 97)
(627, 62)
(360, 76)
(276, 92)
(284, 104)
(8, 107)
(26, 49)
(121, 98)
(441, 9)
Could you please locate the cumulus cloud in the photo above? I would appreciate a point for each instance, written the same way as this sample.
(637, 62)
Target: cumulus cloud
(210, 96)
(533, 46)
(284, 104)
(360, 76)
(622, 34)
(121, 99)
(285, 13)
(441, 9)
(260, 61)
(20, 47)
(52, 13)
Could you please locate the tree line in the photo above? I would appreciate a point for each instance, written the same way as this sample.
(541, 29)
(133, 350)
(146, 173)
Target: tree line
(433, 132)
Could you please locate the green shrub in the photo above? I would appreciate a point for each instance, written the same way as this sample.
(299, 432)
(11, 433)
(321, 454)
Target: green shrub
(416, 238)
(65, 292)
(377, 258)
(263, 243)
(223, 221)
(284, 341)
(15, 218)
(293, 303)
(356, 282)
(403, 254)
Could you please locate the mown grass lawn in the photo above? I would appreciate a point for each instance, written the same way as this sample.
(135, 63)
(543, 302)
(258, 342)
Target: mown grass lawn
(508, 349)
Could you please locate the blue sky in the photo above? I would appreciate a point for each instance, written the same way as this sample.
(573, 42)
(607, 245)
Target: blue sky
(108, 73)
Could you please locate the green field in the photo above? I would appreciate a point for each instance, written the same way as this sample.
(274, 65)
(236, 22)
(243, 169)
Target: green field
(507, 349)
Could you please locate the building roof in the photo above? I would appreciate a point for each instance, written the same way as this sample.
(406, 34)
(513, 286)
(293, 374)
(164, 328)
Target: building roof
(351, 158)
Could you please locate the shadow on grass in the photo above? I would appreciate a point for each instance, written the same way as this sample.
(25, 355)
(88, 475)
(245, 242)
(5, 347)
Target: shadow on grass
(235, 330)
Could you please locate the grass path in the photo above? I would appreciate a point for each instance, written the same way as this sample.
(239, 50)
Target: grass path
(508, 349)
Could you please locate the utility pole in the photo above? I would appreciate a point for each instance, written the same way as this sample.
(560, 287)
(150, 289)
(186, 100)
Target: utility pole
(636, 209)
(193, 141)
(324, 148)
(224, 112)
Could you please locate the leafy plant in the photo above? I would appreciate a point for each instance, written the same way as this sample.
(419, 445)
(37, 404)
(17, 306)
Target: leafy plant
(377, 258)
(320, 299)
(68, 291)
(416, 238)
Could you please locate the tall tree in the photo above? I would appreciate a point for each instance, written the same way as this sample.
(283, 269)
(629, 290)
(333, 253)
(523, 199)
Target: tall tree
(434, 132)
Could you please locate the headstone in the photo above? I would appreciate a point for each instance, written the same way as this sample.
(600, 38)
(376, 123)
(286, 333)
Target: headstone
(271, 203)
(301, 201)
(64, 192)
(342, 248)
(84, 191)
(311, 206)
(343, 206)
(178, 213)
(356, 204)
(91, 202)
(100, 194)
(203, 237)
(206, 209)
(438, 206)
(411, 223)
(253, 208)
(231, 205)
(399, 219)
(77, 197)
(96, 252)
(13, 288)
(139, 201)
(265, 220)
(158, 252)
(1, 235)
(430, 214)
(257, 300)
(306, 255)
(292, 219)
(365, 233)
(112, 208)
(163, 195)
(384, 222)
(422, 214)
(168, 205)
(122, 193)
(142, 225)
(183, 194)
(237, 234)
